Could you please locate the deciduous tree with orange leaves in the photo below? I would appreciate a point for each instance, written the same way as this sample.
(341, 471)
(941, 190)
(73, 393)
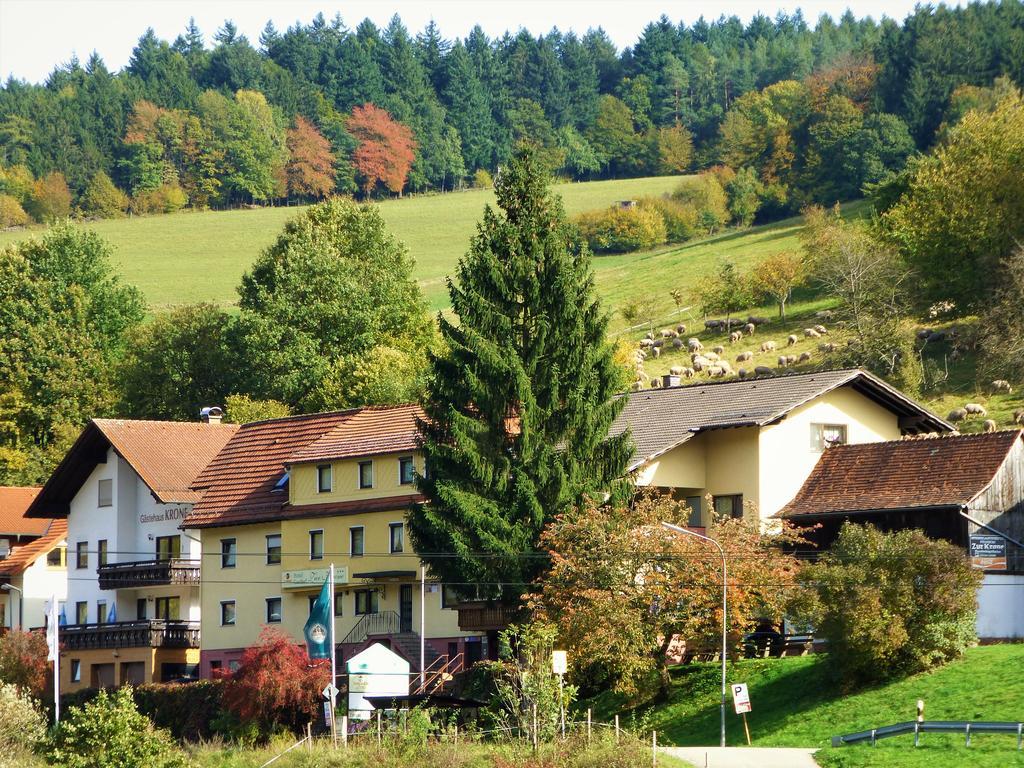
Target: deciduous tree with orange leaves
(620, 586)
(386, 148)
(310, 169)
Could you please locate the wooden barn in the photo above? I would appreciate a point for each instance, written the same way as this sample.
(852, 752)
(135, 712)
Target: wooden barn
(966, 489)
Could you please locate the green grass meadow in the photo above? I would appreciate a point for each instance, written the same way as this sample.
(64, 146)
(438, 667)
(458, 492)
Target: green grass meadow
(796, 703)
(199, 256)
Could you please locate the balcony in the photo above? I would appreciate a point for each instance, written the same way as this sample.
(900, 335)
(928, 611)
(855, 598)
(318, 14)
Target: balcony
(155, 633)
(149, 573)
(485, 617)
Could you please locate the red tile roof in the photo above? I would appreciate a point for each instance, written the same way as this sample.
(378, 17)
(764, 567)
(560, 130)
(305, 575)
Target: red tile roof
(943, 471)
(168, 455)
(14, 502)
(237, 486)
(353, 507)
(23, 556)
(369, 432)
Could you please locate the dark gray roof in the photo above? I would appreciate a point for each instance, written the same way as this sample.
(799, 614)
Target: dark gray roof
(661, 419)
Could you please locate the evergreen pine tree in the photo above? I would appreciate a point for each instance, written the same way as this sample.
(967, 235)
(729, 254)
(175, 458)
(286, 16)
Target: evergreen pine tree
(519, 405)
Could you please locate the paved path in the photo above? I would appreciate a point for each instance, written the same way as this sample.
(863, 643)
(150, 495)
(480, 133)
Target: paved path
(744, 757)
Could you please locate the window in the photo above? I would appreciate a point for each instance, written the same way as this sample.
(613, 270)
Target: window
(101, 552)
(168, 547)
(406, 470)
(56, 557)
(826, 435)
(274, 549)
(695, 503)
(273, 610)
(729, 506)
(168, 608)
(227, 613)
(81, 612)
(82, 554)
(316, 545)
(355, 541)
(323, 478)
(367, 601)
(106, 493)
(397, 537)
(141, 609)
(101, 612)
(449, 597)
(228, 552)
(76, 670)
(366, 474)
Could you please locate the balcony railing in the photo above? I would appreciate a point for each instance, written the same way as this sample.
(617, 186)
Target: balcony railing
(152, 633)
(485, 617)
(149, 573)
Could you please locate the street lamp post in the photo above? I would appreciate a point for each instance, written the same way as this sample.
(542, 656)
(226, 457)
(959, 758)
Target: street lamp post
(21, 603)
(725, 606)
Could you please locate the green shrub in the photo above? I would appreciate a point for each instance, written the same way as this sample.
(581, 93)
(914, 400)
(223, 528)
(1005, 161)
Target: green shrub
(680, 218)
(621, 230)
(707, 195)
(188, 710)
(51, 198)
(110, 732)
(11, 213)
(482, 179)
(103, 199)
(24, 725)
(890, 603)
(167, 198)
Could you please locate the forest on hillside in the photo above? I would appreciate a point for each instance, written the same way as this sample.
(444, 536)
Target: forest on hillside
(817, 110)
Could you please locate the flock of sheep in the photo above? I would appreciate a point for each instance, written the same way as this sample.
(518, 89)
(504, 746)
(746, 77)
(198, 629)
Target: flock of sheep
(712, 362)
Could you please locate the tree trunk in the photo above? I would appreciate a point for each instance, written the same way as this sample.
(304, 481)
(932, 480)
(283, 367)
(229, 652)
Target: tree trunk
(664, 680)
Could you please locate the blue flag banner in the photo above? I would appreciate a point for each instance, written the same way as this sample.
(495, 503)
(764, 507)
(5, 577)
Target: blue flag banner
(319, 629)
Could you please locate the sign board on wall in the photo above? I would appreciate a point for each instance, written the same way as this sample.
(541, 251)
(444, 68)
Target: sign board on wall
(312, 577)
(740, 698)
(988, 552)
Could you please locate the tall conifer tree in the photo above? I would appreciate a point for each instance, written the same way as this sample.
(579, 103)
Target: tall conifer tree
(519, 405)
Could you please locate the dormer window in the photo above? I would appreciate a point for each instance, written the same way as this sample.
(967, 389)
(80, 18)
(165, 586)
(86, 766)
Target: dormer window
(827, 435)
(324, 478)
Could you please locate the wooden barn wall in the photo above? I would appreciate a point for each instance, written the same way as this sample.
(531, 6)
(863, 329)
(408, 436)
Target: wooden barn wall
(1001, 505)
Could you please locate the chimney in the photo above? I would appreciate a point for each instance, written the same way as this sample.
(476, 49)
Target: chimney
(211, 414)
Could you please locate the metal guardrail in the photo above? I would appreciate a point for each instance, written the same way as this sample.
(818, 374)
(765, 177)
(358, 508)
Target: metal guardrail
(932, 726)
(383, 623)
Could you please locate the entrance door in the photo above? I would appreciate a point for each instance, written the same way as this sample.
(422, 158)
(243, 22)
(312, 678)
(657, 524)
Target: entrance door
(405, 608)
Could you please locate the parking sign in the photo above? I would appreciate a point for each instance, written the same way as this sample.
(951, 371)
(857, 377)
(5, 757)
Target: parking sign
(740, 698)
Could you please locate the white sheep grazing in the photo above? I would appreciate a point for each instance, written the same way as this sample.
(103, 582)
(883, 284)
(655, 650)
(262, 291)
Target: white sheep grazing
(990, 425)
(957, 414)
(828, 347)
(675, 370)
(636, 386)
(749, 329)
(1018, 417)
(805, 356)
(649, 335)
(689, 372)
(681, 329)
(1002, 385)
(694, 345)
(742, 357)
(811, 333)
(767, 346)
(791, 340)
(718, 349)
(975, 410)
(658, 343)
(820, 329)
(725, 365)
(735, 336)
(783, 361)
(667, 333)
(655, 352)
(716, 371)
(762, 370)
(713, 356)
(700, 363)
(792, 359)
(646, 343)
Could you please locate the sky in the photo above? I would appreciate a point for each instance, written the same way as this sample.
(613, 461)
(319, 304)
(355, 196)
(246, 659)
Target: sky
(36, 35)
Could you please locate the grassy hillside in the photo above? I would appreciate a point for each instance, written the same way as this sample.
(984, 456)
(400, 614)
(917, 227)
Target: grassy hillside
(200, 256)
(796, 704)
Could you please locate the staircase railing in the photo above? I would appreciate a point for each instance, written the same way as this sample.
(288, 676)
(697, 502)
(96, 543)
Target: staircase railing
(439, 672)
(383, 623)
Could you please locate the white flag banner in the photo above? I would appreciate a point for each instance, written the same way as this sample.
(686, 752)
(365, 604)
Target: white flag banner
(51, 632)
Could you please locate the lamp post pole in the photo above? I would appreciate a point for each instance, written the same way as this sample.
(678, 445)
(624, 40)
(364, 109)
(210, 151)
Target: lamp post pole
(725, 606)
(21, 603)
